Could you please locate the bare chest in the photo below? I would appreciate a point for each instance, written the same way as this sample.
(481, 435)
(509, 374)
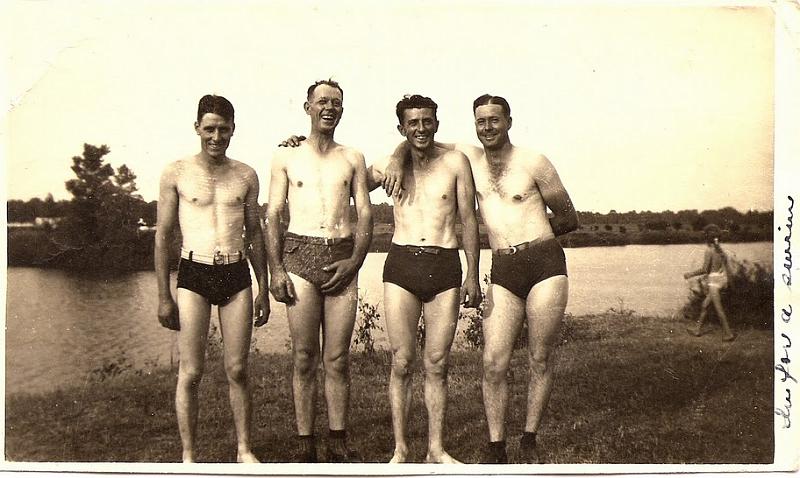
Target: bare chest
(320, 176)
(508, 183)
(428, 189)
(201, 189)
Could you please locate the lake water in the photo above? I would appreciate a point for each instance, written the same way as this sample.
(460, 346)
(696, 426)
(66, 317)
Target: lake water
(60, 325)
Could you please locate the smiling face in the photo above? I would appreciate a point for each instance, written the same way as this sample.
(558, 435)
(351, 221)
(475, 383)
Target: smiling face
(324, 106)
(491, 126)
(419, 126)
(215, 134)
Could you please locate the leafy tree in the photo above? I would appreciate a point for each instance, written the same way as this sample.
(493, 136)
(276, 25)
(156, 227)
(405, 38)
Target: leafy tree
(105, 207)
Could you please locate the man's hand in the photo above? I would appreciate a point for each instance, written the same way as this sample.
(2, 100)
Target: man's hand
(471, 293)
(393, 178)
(343, 273)
(261, 308)
(292, 141)
(281, 287)
(168, 314)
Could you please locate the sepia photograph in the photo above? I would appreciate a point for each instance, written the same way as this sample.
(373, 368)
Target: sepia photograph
(400, 238)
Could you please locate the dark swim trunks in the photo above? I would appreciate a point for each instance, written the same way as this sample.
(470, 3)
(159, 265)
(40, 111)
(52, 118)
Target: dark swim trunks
(519, 271)
(217, 283)
(305, 256)
(425, 271)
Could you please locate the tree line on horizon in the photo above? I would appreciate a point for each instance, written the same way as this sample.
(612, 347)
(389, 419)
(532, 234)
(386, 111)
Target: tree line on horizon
(100, 225)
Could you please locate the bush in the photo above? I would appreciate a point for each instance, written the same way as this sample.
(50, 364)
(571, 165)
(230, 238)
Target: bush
(748, 299)
(368, 317)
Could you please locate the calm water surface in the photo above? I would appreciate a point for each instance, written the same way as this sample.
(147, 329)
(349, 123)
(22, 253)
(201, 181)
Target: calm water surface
(60, 326)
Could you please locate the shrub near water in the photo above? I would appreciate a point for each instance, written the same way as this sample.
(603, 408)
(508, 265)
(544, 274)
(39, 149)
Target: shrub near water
(748, 299)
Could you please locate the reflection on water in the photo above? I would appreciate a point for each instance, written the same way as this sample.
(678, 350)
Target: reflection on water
(60, 326)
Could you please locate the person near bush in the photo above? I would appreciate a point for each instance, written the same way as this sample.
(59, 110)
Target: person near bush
(714, 274)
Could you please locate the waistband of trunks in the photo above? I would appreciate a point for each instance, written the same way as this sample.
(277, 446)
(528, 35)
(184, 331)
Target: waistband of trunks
(216, 259)
(327, 241)
(525, 245)
(417, 250)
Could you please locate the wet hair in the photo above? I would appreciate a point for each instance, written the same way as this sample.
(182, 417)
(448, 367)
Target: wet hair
(218, 105)
(328, 82)
(492, 100)
(414, 101)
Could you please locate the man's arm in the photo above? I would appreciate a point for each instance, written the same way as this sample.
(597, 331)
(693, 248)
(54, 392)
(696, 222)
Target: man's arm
(392, 180)
(346, 270)
(167, 215)
(555, 196)
(258, 257)
(280, 285)
(704, 269)
(465, 197)
(375, 174)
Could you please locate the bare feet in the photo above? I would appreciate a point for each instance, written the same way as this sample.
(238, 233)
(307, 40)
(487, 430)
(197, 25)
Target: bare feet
(441, 457)
(694, 330)
(400, 455)
(246, 457)
(728, 337)
(188, 457)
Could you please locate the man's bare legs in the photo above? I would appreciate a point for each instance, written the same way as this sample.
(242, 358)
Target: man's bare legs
(544, 309)
(713, 297)
(304, 321)
(441, 316)
(402, 314)
(337, 331)
(195, 314)
(337, 328)
(501, 326)
(235, 320)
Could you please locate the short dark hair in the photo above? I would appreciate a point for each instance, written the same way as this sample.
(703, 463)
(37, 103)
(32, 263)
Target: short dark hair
(218, 105)
(712, 230)
(328, 82)
(492, 100)
(414, 101)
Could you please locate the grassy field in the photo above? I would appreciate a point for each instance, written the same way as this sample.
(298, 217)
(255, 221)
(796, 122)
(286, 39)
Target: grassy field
(628, 390)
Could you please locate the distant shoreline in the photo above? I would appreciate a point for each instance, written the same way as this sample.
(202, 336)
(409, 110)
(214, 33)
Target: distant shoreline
(39, 248)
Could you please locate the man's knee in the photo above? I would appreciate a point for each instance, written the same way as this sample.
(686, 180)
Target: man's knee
(540, 358)
(402, 363)
(236, 371)
(305, 361)
(337, 365)
(495, 367)
(190, 374)
(436, 363)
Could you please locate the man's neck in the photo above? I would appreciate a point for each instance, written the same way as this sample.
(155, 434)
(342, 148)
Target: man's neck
(422, 157)
(500, 154)
(212, 161)
(321, 142)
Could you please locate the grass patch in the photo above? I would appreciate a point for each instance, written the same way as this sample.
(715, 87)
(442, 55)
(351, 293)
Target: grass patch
(628, 389)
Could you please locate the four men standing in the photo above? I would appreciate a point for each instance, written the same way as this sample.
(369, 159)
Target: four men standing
(315, 254)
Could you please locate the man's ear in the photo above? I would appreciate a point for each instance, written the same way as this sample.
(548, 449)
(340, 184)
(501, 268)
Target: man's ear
(197, 128)
(306, 107)
(233, 128)
(401, 129)
(510, 122)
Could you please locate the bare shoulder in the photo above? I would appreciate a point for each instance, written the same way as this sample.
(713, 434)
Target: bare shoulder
(243, 170)
(456, 159)
(471, 152)
(172, 171)
(535, 160)
(353, 155)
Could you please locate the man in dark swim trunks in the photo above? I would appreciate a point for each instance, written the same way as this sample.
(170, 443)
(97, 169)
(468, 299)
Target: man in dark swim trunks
(314, 265)
(422, 272)
(515, 187)
(214, 199)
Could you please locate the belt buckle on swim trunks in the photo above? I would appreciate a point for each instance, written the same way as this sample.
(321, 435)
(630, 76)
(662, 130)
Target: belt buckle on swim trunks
(218, 259)
(512, 250)
(328, 241)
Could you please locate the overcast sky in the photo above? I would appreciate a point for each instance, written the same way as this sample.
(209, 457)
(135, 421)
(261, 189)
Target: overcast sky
(639, 107)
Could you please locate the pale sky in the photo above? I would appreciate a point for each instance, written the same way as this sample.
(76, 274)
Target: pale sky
(639, 107)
